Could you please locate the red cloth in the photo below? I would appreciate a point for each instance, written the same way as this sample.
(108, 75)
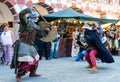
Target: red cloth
(24, 67)
(90, 57)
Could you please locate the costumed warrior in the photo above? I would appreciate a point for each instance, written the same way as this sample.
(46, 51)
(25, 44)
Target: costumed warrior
(26, 58)
(95, 49)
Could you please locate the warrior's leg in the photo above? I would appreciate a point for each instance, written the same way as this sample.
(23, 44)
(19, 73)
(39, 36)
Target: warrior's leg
(33, 69)
(87, 57)
(21, 71)
(92, 55)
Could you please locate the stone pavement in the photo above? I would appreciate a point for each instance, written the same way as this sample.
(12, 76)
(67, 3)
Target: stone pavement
(67, 70)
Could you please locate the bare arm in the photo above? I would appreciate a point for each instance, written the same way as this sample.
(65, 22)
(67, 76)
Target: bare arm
(73, 36)
(12, 35)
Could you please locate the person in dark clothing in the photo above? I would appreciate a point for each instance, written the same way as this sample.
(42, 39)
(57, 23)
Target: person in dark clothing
(95, 49)
(41, 45)
(1, 50)
(45, 35)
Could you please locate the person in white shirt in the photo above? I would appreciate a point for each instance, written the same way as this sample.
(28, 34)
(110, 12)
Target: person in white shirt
(74, 45)
(7, 39)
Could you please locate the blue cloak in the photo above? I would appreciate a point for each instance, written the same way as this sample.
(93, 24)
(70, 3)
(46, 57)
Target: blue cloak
(103, 53)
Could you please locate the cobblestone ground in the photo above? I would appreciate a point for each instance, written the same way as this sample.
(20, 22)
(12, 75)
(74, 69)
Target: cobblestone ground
(67, 70)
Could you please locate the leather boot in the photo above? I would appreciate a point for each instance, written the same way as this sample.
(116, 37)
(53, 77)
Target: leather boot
(89, 66)
(33, 74)
(18, 78)
(93, 69)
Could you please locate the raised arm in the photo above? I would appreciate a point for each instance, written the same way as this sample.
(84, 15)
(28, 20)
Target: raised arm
(23, 17)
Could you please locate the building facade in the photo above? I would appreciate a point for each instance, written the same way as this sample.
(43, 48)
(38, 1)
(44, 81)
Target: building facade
(105, 8)
(9, 9)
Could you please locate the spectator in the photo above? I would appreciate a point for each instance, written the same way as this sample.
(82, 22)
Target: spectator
(99, 30)
(113, 40)
(1, 50)
(74, 45)
(54, 47)
(41, 45)
(7, 40)
(118, 42)
(81, 41)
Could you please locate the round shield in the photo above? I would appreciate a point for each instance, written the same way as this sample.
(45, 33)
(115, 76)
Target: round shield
(52, 33)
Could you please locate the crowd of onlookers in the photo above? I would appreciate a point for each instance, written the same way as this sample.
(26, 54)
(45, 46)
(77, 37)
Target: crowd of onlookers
(113, 38)
(110, 39)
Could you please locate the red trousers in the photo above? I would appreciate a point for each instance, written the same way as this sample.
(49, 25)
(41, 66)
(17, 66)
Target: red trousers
(90, 57)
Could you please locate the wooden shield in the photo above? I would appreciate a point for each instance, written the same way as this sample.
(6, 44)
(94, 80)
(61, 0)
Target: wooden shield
(52, 34)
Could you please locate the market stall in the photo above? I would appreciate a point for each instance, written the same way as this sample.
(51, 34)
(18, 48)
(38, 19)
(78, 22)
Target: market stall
(69, 13)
